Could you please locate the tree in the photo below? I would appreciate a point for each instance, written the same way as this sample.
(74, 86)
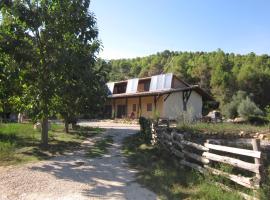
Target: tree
(248, 108)
(82, 93)
(40, 35)
(230, 109)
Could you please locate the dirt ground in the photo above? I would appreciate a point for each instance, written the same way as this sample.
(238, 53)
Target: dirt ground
(74, 176)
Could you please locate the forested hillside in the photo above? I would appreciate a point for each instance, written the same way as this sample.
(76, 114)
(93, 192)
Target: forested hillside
(221, 74)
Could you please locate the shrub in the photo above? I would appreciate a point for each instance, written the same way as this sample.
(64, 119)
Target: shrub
(257, 120)
(145, 126)
(248, 108)
(6, 149)
(230, 109)
(185, 117)
(267, 112)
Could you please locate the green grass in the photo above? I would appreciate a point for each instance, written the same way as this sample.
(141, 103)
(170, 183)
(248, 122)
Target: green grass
(100, 147)
(223, 128)
(20, 143)
(159, 172)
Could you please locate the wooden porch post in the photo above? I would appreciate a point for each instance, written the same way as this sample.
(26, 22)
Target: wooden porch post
(155, 102)
(114, 111)
(140, 107)
(126, 107)
(186, 95)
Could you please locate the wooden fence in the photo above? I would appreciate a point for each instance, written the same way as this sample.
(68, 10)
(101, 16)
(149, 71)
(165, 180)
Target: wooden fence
(202, 154)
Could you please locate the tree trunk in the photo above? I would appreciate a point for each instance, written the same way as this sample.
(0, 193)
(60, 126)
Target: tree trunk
(44, 131)
(66, 126)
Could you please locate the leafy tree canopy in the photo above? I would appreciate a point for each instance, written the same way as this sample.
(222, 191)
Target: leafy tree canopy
(52, 45)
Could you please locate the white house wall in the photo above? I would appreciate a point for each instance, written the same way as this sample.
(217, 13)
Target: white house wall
(173, 106)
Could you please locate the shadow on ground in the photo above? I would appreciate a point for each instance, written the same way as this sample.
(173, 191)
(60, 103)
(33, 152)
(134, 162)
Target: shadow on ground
(106, 176)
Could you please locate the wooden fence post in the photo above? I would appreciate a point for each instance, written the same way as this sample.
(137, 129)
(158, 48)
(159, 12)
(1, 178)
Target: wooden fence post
(154, 132)
(168, 123)
(256, 147)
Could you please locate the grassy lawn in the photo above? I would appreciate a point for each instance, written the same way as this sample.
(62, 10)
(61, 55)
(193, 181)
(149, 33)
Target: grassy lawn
(159, 172)
(20, 143)
(223, 128)
(100, 147)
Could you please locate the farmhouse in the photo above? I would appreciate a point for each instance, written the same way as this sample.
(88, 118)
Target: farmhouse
(164, 95)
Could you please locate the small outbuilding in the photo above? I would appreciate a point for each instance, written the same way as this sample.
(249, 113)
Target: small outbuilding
(164, 95)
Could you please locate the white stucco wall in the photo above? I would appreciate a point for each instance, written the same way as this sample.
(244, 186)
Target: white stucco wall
(173, 106)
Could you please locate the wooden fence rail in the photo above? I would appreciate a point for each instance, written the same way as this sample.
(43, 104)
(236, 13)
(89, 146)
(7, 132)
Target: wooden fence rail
(200, 156)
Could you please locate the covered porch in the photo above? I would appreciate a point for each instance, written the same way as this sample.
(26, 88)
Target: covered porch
(134, 107)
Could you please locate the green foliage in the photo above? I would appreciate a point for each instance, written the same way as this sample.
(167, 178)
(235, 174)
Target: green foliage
(145, 127)
(100, 147)
(186, 117)
(267, 111)
(19, 143)
(230, 109)
(248, 108)
(49, 49)
(222, 128)
(257, 120)
(241, 105)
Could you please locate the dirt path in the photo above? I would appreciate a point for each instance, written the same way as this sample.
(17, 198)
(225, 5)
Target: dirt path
(75, 176)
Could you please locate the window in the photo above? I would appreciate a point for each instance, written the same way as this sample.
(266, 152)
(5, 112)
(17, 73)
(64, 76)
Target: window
(134, 107)
(149, 107)
(146, 86)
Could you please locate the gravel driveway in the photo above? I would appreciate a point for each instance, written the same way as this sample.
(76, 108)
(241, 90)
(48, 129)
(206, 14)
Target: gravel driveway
(75, 176)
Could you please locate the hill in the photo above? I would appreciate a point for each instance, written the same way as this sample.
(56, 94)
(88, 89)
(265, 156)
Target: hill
(221, 74)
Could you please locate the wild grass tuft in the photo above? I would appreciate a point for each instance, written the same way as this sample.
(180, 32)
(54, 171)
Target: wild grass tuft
(100, 147)
(20, 143)
(222, 128)
(159, 171)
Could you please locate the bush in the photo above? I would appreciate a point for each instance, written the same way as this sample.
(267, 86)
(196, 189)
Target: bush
(145, 126)
(241, 105)
(230, 109)
(248, 108)
(257, 120)
(267, 112)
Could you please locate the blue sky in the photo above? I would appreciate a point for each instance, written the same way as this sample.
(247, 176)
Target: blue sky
(132, 28)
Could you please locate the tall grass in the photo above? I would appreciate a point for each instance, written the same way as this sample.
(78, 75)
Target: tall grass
(20, 143)
(162, 174)
(222, 128)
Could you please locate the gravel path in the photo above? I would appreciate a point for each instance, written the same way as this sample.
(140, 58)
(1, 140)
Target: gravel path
(74, 176)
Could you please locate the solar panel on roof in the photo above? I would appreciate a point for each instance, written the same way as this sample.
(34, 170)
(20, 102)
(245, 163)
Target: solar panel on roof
(132, 85)
(161, 82)
(110, 87)
(168, 81)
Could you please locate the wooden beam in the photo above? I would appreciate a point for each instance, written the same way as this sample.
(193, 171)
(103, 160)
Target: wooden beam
(196, 157)
(245, 152)
(194, 166)
(126, 107)
(233, 161)
(114, 110)
(155, 102)
(256, 147)
(166, 97)
(178, 144)
(241, 180)
(195, 145)
(177, 153)
(241, 141)
(140, 107)
(244, 195)
(185, 95)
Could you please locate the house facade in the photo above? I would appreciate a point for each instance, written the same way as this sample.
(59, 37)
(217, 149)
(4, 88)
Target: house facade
(162, 95)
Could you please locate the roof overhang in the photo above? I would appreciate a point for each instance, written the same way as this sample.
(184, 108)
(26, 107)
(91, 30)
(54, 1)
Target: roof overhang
(200, 91)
